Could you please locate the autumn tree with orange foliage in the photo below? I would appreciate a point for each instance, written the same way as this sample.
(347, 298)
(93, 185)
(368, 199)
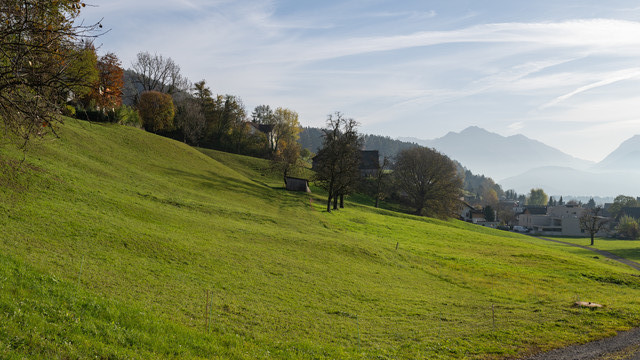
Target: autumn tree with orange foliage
(108, 92)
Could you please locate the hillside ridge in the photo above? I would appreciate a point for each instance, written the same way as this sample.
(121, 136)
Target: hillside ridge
(124, 238)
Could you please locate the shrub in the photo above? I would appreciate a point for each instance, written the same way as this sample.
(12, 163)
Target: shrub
(156, 110)
(628, 228)
(69, 111)
(126, 115)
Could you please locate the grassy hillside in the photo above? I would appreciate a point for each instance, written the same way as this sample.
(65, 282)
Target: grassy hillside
(628, 249)
(115, 241)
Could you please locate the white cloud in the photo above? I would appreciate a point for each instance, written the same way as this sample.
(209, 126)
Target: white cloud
(491, 73)
(593, 36)
(609, 79)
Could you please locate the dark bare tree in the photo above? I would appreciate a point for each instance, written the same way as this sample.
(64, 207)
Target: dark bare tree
(157, 73)
(38, 42)
(338, 161)
(429, 180)
(592, 222)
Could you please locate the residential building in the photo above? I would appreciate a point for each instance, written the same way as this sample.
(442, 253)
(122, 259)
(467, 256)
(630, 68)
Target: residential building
(563, 220)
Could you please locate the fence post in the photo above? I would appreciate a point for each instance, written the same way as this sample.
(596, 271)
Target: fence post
(358, 324)
(493, 316)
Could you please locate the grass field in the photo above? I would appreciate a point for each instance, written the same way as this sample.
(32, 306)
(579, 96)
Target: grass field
(628, 249)
(115, 242)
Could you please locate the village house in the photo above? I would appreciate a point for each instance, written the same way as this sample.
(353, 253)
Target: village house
(470, 214)
(266, 129)
(563, 220)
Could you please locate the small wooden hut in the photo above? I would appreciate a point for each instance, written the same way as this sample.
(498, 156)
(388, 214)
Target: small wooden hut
(297, 184)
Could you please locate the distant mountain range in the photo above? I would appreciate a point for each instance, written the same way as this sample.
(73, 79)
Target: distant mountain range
(521, 163)
(498, 156)
(625, 157)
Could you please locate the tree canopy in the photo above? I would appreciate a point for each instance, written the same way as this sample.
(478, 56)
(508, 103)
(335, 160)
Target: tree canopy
(628, 228)
(537, 197)
(429, 180)
(110, 84)
(157, 73)
(592, 221)
(156, 110)
(621, 202)
(338, 161)
(39, 42)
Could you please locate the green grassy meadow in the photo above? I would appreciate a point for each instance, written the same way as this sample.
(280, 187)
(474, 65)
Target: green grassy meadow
(119, 244)
(628, 249)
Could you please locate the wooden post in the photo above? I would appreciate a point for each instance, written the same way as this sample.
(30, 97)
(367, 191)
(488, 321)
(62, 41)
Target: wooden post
(206, 312)
(359, 345)
(493, 316)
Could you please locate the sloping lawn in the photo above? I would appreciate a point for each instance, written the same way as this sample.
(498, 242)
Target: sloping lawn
(120, 244)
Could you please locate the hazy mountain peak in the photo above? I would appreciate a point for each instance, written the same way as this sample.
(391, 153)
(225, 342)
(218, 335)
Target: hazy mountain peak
(474, 130)
(498, 156)
(625, 157)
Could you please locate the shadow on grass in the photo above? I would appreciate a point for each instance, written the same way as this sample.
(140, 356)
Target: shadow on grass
(219, 181)
(215, 182)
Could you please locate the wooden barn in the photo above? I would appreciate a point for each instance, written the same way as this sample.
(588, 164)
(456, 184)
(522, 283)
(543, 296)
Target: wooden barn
(296, 184)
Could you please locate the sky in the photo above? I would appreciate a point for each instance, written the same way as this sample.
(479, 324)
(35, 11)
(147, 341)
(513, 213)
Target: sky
(566, 73)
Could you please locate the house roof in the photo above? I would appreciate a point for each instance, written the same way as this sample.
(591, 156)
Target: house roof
(536, 210)
(369, 160)
(294, 178)
(265, 128)
(633, 212)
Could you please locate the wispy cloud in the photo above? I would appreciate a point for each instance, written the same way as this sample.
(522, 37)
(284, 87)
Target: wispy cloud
(592, 36)
(612, 78)
(417, 63)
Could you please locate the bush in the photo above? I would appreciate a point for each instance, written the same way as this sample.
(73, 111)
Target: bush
(126, 115)
(156, 111)
(69, 111)
(92, 115)
(628, 228)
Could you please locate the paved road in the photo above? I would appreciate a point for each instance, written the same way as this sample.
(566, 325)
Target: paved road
(624, 346)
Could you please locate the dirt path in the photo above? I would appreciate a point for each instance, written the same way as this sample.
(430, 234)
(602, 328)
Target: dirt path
(624, 346)
(606, 254)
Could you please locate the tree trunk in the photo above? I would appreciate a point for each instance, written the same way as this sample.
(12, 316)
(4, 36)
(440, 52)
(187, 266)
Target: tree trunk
(335, 202)
(592, 235)
(378, 184)
(329, 197)
(341, 201)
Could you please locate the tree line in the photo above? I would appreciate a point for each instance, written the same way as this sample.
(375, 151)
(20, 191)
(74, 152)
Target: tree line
(425, 181)
(49, 66)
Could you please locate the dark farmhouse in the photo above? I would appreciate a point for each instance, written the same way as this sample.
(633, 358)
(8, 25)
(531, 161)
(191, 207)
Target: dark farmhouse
(369, 162)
